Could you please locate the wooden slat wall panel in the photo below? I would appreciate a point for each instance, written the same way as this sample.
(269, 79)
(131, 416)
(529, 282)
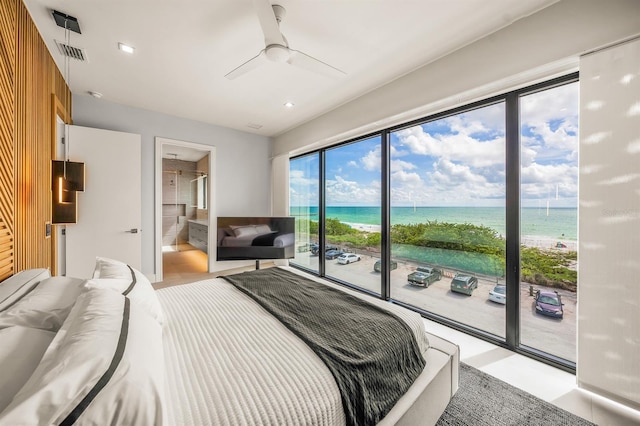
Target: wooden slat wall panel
(28, 79)
(8, 10)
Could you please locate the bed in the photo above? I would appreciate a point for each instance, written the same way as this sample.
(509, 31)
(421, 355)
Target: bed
(110, 350)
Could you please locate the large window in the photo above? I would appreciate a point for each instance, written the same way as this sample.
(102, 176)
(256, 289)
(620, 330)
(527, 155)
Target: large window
(549, 219)
(448, 217)
(473, 211)
(352, 212)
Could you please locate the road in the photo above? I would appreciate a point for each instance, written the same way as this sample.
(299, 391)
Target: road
(555, 336)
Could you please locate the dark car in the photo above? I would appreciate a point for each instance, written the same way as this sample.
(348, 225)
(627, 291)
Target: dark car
(424, 276)
(378, 265)
(464, 284)
(315, 248)
(549, 303)
(333, 254)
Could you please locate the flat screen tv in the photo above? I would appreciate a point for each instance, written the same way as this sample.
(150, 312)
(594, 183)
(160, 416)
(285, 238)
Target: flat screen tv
(255, 238)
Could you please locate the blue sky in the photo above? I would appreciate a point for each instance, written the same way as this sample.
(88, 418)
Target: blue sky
(458, 160)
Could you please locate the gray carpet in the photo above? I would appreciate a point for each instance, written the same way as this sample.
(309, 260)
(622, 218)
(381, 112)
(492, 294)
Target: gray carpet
(484, 400)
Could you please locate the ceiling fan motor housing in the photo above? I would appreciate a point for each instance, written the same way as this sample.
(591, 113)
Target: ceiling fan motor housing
(277, 53)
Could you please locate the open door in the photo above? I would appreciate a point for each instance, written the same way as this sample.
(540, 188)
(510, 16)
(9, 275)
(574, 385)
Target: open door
(109, 210)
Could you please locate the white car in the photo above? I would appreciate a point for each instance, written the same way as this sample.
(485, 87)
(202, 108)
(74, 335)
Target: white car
(498, 294)
(347, 258)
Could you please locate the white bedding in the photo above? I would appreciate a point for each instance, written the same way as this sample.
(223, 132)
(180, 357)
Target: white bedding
(219, 359)
(229, 362)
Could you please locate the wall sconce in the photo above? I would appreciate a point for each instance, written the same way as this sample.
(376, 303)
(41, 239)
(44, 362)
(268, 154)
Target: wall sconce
(67, 178)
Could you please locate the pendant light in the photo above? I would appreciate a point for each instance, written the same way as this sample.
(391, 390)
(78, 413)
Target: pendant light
(67, 177)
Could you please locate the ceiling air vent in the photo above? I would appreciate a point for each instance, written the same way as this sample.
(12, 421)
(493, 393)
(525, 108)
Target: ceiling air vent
(71, 51)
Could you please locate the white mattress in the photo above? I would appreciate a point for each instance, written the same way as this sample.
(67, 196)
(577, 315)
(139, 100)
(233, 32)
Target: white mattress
(229, 362)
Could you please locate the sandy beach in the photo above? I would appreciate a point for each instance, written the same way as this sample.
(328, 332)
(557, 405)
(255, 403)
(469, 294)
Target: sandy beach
(537, 241)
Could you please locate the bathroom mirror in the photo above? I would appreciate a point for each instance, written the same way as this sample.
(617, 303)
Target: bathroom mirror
(199, 192)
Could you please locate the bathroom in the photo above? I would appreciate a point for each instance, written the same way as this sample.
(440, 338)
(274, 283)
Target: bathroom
(184, 210)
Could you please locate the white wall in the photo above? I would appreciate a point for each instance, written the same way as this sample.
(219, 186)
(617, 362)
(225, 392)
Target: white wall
(609, 228)
(243, 166)
(541, 45)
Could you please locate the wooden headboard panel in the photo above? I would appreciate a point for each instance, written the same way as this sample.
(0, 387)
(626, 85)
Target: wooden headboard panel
(29, 78)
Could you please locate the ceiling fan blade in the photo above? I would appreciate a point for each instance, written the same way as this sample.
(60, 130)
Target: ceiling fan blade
(268, 22)
(251, 64)
(310, 63)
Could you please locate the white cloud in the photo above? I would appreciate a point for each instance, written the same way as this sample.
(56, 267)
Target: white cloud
(459, 147)
(352, 164)
(412, 179)
(298, 178)
(340, 191)
(372, 160)
(551, 105)
(543, 181)
(565, 137)
(399, 165)
(449, 174)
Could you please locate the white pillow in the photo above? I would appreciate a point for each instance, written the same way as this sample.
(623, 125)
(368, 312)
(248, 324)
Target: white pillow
(16, 286)
(46, 306)
(20, 353)
(104, 366)
(120, 277)
(244, 231)
(110, 268)
(263, 229)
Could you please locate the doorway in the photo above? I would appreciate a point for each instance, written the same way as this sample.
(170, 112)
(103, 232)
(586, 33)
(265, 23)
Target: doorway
(183, 209)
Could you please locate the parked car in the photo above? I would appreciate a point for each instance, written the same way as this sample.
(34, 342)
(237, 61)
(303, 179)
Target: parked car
(464, 284)
(333, 254)
(424, 276)
(315, 248)
(377, 267)
(498, 294)
(549, 303)
(347, 258)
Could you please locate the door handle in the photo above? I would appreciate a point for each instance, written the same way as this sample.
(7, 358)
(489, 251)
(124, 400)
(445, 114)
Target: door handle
(132, 231)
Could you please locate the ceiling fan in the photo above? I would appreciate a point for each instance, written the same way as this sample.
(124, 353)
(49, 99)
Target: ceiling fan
(277, 47)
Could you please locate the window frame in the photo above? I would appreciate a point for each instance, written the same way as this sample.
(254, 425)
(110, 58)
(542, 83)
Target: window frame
(512, 216)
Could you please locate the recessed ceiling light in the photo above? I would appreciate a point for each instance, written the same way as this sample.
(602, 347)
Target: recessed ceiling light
(125, 48)
(289, 104)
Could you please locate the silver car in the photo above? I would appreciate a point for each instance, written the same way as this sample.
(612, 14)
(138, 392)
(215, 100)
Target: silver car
(498, 294)
(347, 258)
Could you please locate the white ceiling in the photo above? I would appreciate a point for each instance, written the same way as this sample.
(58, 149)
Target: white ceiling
(182, 153)
(185, 47)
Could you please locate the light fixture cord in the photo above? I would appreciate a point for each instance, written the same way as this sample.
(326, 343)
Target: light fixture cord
(67, 73)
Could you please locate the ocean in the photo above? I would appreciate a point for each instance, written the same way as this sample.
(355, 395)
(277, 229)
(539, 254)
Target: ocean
(556, 223)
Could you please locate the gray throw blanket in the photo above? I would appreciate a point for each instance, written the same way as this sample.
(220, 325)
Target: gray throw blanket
(371, 353)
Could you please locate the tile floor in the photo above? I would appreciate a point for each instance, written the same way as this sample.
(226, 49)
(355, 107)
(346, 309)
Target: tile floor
(548, 383)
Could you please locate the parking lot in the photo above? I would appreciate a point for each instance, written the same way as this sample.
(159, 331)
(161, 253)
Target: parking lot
(555, 336)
